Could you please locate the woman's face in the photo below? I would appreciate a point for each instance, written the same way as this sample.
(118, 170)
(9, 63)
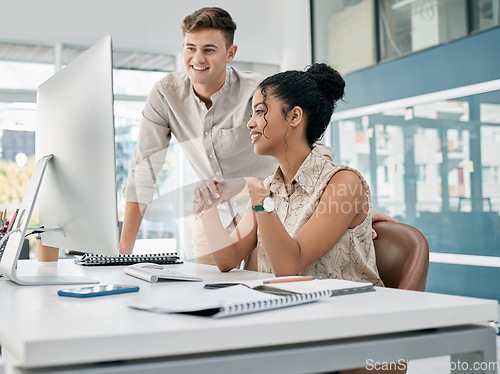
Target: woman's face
(268, 126)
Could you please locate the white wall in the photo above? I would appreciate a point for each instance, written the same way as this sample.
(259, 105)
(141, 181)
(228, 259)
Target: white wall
(296, 35)
(154, 25)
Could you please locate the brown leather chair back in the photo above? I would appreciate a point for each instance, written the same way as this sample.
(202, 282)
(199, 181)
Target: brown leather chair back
(402, 255)
(403, 261)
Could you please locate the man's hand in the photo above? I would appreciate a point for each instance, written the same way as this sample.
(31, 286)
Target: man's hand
(206, 195)
(379, 216)
(211, 192)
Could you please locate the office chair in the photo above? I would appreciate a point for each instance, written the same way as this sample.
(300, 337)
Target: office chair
(402, 254)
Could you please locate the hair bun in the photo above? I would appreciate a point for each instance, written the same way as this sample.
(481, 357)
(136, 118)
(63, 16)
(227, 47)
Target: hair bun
(329, 81)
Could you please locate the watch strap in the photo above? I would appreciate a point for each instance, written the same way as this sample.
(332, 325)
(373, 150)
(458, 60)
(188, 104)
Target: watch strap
(258, 208)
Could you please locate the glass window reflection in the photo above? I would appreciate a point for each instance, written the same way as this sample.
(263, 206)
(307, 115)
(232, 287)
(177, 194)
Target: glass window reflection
(407, 26)
(485, 14)
(434, 166)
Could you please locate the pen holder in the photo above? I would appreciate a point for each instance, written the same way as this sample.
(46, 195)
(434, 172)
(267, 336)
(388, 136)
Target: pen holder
(3, 243)
(45, 253)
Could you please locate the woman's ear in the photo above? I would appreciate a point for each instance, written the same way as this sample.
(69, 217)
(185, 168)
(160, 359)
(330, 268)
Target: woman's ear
(295, 116)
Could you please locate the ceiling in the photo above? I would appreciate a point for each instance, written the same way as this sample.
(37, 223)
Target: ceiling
(150, 27)
(121, 59)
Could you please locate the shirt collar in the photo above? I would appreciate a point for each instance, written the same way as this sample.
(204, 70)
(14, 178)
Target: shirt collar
(306, 176)
(224, 87)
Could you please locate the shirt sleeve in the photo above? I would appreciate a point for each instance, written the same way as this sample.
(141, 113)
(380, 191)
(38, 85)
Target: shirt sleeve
(150, 151)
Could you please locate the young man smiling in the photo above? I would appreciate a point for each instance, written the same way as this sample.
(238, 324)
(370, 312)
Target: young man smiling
(206, 53)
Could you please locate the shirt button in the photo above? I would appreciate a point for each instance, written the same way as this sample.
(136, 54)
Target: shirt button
(210, 156)
(206, 133)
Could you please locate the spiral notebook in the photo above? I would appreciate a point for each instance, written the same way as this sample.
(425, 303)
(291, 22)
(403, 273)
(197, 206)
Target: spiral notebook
(231, 301)
(89, 259)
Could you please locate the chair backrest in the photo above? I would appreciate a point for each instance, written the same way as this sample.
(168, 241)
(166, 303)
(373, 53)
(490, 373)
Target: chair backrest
(402, 255)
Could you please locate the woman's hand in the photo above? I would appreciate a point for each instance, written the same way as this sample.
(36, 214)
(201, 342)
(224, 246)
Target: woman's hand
(211, 192)
(256, 190)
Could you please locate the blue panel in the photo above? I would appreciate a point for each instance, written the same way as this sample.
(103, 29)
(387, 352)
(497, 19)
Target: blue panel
(464, 280)
(463, 62)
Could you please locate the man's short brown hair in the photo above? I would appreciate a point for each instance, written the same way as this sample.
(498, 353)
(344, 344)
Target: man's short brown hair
(210, 18)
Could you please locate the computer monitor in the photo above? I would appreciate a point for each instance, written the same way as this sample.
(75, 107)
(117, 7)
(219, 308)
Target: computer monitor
(74, 181)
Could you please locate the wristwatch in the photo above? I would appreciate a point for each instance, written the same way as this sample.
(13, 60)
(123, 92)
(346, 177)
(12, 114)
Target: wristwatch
(266, 206)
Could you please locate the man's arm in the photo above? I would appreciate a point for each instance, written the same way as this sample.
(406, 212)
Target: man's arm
(131, 224)
(147, 160)
(379, 216)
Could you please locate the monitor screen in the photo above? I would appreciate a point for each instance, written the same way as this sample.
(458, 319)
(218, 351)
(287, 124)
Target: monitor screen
(74, 180)
(74, 119)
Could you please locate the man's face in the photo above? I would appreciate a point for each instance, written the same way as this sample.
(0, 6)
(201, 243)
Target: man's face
(205, 57)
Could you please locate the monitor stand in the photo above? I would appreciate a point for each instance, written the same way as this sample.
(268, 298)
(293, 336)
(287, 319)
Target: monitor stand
(15, 238)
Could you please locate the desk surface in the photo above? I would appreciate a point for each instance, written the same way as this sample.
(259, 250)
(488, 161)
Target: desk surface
(40, 328)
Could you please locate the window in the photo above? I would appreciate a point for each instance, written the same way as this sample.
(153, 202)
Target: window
(407, 26)
(354, 34)
(437, 169)
(491, 175)
(24, 75)
(17, 151)
(23, 68)
(344, 34)
(485, 14)
(135, 82)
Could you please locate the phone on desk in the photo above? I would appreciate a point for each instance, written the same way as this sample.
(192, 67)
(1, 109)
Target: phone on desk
(102, 290)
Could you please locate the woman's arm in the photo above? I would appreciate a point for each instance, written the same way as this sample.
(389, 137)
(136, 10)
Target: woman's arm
(343, 205)
(227, 250)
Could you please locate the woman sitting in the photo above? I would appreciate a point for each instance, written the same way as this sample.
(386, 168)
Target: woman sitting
(312, 217)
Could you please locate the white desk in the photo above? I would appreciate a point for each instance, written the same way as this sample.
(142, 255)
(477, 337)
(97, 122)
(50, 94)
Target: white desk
(41, 332)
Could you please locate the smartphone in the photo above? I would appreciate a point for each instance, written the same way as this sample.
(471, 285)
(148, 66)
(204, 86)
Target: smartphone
(102, 290)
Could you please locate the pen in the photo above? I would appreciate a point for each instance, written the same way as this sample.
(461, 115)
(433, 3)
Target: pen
(12, 220)
(291, 279)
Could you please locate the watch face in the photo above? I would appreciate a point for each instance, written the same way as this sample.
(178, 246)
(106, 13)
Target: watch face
(268, 204)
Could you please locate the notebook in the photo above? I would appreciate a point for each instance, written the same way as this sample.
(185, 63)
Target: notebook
(230, 301)
(335, 286)
(89, 259)
(153, 272)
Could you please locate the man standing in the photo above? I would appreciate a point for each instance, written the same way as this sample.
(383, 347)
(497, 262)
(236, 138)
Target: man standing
(206, 107)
